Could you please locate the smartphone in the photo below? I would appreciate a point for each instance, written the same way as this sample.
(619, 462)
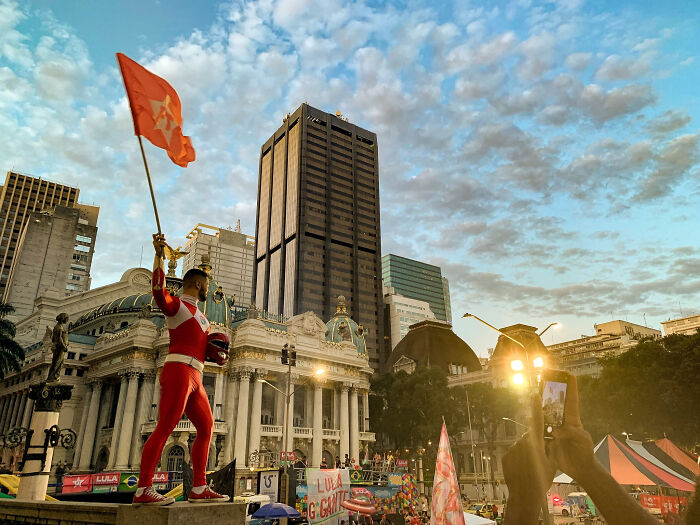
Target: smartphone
(553, 386)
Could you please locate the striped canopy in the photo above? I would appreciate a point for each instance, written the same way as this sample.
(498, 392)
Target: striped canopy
(643, 464)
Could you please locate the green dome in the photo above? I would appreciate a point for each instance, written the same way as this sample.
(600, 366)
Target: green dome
(342, 328)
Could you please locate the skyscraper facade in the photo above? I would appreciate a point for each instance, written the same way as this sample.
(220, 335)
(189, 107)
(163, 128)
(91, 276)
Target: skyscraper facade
(231, 255)
(21, 195)
(317, 230)
(55, 250)
(417, 280)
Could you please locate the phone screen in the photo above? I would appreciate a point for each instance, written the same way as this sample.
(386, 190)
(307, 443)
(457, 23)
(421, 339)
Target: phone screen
(553, 401)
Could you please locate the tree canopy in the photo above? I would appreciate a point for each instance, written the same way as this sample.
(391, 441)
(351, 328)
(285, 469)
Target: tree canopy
(650, 391)
(11, 353)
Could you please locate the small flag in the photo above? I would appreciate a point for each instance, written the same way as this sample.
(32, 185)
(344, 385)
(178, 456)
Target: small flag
(446, 506)
(156, 111)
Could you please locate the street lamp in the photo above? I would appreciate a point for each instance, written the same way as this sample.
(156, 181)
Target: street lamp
(627, 435)
(517, 422)
(548, 327)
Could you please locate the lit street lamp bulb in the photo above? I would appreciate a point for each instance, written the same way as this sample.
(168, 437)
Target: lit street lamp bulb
(538, 362)
(519, 379)
(320, 372)
(516, 365)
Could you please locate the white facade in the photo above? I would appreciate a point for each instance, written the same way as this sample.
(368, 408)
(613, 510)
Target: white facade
(117, 348)
(580, 356)
(232, 256)
(683, 325)
(404, 312)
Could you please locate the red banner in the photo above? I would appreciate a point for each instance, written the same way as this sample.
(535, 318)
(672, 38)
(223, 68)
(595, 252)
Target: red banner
(105, 478)
(666, 504)
(77, 483)
(402, 463)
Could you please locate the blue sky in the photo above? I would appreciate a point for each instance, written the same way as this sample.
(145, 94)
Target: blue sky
(544, 154)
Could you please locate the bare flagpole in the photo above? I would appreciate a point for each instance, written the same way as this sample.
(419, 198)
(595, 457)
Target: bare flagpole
(150, 184)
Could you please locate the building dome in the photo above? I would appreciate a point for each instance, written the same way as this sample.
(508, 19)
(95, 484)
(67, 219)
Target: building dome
(342, 328)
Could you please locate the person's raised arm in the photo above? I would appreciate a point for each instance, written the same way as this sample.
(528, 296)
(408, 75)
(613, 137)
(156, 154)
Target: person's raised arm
(572, 449)
(528, 472)
(168, 304)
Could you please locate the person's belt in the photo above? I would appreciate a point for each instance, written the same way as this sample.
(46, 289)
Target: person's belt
(186, 359)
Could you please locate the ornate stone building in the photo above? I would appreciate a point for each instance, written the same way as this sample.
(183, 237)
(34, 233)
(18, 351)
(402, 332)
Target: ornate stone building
(117, 346)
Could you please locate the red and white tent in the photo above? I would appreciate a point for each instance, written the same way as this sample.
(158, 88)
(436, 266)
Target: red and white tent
(642, 465)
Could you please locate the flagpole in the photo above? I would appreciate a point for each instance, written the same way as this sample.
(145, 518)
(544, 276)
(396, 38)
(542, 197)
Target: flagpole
(150, 184)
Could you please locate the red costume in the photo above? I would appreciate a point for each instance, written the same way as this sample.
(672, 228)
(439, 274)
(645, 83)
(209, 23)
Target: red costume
(181, 382)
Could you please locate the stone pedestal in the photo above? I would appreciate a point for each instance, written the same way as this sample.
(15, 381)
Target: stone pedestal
(182, 513)
(42, 437)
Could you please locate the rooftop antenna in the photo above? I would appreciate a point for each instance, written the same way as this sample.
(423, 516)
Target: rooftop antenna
(141, 258)
(645, 320)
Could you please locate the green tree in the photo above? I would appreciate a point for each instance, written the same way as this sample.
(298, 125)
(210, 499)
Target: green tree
(11, 353)
(650, 391)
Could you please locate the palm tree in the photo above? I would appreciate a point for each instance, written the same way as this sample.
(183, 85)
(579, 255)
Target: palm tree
(11, 353)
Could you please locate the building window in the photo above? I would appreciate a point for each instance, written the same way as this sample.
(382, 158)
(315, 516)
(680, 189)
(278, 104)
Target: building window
(68, 372)
(176, 458)
(71, 355)
(74, 277)
(81, 357)
(74, 287)
(79, 372)
(82, 238)
(81, 267)
(81, 248)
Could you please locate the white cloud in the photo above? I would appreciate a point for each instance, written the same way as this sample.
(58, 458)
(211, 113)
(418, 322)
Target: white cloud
(578, 61)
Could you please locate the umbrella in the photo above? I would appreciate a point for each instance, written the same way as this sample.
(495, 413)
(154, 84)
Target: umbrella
(473, 519)
(433, 343)
(276, 510)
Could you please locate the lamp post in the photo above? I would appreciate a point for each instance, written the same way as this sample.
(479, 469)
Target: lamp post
(471, 438)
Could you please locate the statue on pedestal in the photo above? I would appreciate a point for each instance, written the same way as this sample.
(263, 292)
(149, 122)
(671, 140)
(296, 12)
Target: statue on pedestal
(59, 347)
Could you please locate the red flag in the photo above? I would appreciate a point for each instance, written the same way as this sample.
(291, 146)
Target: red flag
(446, 506)
(155, 108)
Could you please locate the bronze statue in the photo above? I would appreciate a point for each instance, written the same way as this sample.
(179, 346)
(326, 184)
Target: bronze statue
(59, 347)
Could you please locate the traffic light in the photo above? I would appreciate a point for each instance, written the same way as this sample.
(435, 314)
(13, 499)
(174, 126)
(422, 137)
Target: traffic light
(289, 355)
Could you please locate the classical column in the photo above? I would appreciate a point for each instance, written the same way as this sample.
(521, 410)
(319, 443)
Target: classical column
(90, 427)
(317, 443)
(242, 418)
(217, 409)
(335, 419)
(142, 408)
(128, 421)
(20, 408)
(229, 418)
(4, 405)
(27, 417)
(117, 430)
(85, 403)
(344, 419)
(280, 403)
(15, 410)
(354, 428)
(153, 411)
(255, 414)
(308, 407)
(365, 410)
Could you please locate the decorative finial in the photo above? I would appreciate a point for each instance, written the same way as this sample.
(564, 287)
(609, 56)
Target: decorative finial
(205, 266)
(341, 305)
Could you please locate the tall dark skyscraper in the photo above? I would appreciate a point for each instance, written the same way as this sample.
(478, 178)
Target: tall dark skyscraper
(317, 230)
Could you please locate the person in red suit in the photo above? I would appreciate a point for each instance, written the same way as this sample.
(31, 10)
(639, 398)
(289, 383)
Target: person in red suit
(181, 385)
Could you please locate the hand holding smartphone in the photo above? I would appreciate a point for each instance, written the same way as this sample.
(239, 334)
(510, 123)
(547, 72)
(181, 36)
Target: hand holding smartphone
(553, 387)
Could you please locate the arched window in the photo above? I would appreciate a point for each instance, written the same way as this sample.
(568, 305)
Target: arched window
(176, 458)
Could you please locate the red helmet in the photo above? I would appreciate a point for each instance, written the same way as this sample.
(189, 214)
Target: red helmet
(217, 347)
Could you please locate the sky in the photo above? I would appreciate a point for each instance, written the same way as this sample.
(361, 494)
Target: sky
(543, 153)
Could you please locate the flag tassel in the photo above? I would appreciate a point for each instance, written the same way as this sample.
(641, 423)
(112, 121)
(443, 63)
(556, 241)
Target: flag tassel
(150, 184)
